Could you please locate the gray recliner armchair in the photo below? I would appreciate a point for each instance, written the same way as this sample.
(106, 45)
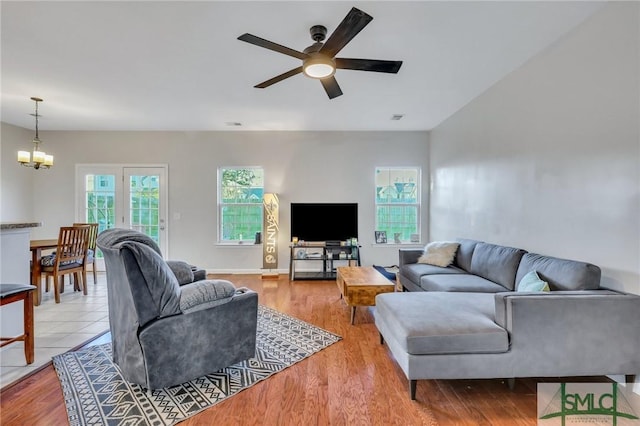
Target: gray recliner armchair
(164, 333)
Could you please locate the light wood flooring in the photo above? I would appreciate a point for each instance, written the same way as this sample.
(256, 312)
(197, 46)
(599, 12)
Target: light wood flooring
(353, 382)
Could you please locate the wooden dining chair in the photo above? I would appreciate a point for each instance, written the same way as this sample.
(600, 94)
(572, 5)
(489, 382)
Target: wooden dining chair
(71, 254)
(91, 248)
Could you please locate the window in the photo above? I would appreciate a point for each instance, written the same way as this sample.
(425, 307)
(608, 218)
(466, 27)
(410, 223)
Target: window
(99, 197)
(122, 196)
(398, 203)
(240, 192)
(144, 205)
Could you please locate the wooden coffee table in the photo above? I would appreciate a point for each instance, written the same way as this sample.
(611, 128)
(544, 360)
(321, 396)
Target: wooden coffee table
(359, 286)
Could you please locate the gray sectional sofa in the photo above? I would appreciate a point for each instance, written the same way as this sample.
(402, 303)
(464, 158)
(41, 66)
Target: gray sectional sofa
(468, 321)
(491, 268)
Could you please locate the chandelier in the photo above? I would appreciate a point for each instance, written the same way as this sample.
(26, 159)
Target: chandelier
(38, 158)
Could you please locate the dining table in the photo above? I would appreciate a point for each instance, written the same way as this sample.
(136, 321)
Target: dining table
(37, 246)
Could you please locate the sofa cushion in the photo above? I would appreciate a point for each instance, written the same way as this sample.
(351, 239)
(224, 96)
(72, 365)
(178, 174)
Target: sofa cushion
(561, 274)
(464, 253)
(415, 271)
(459, 282)
(442, 323)
(532, 282)
(439, 253)
(496, 263)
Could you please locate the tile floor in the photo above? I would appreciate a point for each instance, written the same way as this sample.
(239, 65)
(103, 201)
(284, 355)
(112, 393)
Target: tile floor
(59, 327)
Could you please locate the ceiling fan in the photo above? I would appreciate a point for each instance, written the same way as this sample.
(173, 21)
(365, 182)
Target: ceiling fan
(319, 61)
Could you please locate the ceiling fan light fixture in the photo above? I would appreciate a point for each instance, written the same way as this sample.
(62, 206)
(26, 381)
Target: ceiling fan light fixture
(319, 60)
(319, 67)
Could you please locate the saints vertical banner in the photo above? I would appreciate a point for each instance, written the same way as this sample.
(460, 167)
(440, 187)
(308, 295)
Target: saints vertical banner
(270, 227)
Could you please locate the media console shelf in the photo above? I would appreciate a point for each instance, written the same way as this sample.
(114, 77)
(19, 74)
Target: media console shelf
(322, 258)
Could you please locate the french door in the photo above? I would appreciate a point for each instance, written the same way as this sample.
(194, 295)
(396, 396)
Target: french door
(124, 196)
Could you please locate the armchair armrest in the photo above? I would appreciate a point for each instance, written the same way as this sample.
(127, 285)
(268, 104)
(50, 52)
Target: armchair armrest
(409, 255)
(198, 274)
(182, 270)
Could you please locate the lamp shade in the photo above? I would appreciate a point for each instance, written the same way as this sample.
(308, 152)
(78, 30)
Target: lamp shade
(24, 156)
(38, 156)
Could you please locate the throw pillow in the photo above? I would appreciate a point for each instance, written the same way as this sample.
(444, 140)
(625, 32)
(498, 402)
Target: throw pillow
(439, 253)
(532, 282)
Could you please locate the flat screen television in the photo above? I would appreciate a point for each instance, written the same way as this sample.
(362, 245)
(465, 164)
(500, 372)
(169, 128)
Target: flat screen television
(324, 221)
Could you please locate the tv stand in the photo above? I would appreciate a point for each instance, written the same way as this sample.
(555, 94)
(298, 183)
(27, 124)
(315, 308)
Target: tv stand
(328, 254)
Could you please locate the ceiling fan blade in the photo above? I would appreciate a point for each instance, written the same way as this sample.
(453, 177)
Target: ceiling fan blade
(350, 26)
(278, 78)
(368, 65)
(331, 86)
(249, 38)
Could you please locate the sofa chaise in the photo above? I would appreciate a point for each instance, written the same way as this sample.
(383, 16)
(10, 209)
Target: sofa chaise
(469, 321)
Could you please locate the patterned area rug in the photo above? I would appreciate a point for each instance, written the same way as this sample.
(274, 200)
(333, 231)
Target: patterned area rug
(96, 394)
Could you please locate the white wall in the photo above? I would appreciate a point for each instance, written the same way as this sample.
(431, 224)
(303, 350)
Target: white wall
(299, 166)
(16, 201)
(14, 268)
(548, 159)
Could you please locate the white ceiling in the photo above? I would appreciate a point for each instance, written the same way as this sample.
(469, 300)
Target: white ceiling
(159, 65)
